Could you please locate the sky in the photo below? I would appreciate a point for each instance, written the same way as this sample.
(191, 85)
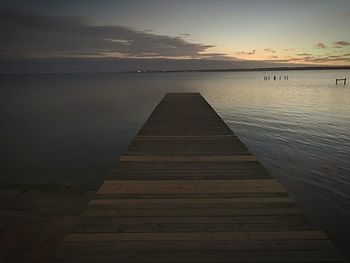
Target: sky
(302, 32)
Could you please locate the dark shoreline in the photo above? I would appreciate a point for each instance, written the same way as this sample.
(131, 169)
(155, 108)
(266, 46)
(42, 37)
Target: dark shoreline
(242, 69)
(34, 219)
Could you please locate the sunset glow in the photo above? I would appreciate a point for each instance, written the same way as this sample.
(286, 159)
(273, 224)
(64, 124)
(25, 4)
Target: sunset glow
(288, 32)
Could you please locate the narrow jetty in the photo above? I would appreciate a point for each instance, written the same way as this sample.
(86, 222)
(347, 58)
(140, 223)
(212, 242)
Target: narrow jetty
(188, 190)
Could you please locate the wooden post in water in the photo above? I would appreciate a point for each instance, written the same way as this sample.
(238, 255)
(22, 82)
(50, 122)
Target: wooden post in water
(343, 80)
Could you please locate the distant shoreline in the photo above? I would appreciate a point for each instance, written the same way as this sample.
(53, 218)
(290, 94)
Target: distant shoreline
(241, 69)
(194, 70)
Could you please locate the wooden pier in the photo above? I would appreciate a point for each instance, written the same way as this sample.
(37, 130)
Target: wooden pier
(188, 190)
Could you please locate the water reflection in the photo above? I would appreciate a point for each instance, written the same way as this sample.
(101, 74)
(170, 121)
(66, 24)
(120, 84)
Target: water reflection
(70, 128)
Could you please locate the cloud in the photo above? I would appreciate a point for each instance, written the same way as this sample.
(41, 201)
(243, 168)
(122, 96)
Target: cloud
(249, 53)
(289, 49)
(29, 35)
(185, 35)
(304, 54)
(320, 46)
(269, 50)
(218, 56)
(343, 59)
(341, 44)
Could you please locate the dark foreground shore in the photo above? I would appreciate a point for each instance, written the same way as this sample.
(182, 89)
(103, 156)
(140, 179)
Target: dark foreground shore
(34, 220)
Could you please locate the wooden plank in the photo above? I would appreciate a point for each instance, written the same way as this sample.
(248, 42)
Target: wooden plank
(202, 138)
(111, 195)
(293, 219)
(188, 146)
(231, 245)
(192, 166)
(186, 186)
(180, 224)
(193, 212)
(206, 257)
(185, 236)
(155, 158)
(188, 171)
(159, 228)
(279, 256)
(193, 183)
(197, 201)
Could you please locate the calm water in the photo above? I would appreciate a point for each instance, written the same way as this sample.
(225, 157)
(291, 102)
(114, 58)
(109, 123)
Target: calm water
(70, 128)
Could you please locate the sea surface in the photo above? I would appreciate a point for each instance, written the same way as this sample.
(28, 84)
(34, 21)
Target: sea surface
(69, 129)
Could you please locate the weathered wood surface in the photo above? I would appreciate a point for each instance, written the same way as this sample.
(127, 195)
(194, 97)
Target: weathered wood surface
(188, 190)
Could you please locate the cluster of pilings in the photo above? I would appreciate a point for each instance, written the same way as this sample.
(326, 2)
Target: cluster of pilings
(340, 80)
(286, 77)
